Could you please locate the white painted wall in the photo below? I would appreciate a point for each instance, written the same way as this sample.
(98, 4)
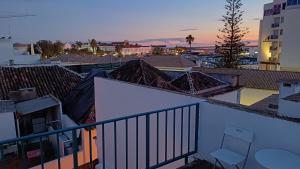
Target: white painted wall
(269, 132)
(290, 59)
(287, 108)
(286, 91)
(6, 51)
(118, 99)
(7, 126)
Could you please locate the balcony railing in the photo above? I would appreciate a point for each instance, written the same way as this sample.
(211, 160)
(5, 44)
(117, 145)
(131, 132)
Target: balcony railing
(275, 25)
(274, 37)
(272, 48)
(176, 128)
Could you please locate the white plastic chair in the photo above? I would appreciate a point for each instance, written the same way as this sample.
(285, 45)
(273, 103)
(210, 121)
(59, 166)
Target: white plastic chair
(230, 157)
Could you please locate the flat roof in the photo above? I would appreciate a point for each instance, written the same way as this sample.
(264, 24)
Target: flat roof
(35, 105)
(7, 106)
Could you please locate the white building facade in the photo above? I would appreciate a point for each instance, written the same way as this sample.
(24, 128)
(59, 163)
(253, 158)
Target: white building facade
(278, 41)
(136, 50)
(9, 55)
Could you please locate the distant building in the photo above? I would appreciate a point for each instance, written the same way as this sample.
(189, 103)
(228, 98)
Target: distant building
(279, 36)
(67, 46)
(17, 56)
(136, 50)
(107, 47)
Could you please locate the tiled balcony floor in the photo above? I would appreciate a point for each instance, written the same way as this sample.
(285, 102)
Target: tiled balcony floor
(198, 164)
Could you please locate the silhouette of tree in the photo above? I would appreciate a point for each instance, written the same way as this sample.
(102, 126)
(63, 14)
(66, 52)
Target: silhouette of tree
(230, 43)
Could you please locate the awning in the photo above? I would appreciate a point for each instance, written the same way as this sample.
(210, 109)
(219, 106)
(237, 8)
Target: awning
(35, 105)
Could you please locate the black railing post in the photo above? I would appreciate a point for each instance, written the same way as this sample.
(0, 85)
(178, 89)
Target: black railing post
(197, 126)
(75, 149)
(147, 141)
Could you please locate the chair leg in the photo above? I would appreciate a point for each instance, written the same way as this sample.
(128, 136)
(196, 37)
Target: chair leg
(220, 164)
(215, 164)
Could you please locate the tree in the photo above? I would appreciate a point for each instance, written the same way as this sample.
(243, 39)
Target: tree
(58, 48)
(78, 44)
(230, 37)
(94, 45)
(46, 48)
(190, 39)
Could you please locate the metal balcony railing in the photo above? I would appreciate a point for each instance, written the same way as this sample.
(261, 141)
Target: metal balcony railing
(275, 25)
(272, 48)
(176, 127)
(274, 37)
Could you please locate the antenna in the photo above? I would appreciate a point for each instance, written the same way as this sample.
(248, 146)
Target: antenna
(9, 26)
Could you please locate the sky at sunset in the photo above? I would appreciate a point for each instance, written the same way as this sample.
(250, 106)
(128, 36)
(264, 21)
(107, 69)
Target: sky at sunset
(113, 20)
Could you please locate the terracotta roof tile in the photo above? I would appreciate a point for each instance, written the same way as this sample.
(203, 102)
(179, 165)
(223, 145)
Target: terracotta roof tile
(257, 79)
(54, 80)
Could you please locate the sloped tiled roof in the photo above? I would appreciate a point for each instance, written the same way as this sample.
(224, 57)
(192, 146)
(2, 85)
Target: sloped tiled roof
(54, 80)
(258, 79)
(200, 82)
(139, 72)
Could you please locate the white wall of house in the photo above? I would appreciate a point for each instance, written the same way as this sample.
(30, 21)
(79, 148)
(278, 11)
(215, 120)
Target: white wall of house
(7, 126)
(287, 108)
(289, 88)
(7, 54)
(6, 51)
(250, 96)
(117, 99)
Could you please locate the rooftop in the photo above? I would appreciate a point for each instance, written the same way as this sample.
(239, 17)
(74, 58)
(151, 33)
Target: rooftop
(293, 98)
(7, 106)
(258, 79)
(54, 80)
(268, 104)
(157, 61)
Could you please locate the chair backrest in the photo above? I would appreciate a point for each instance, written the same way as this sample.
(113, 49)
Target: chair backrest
(239, 133)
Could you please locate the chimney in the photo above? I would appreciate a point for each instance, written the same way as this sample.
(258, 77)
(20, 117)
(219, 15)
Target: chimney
(235, 81)
(31, 49)
(23, 94)
(289, 102)
(289, 87)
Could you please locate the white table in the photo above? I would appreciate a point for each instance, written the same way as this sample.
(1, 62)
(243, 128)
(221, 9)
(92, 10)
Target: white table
(277, 159)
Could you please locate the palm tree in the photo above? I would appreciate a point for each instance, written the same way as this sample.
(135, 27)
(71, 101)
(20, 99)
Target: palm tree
(190, 39)
(94, 45)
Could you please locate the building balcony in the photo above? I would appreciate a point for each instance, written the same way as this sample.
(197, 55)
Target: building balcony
(274, 37)
(273, 49)
(275, 25)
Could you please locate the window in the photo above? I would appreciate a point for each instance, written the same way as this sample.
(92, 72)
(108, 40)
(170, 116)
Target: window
(268, 12)
(284, 6)
(282, 19)
(287, 85)
(281, 31)
(277, 9)
(292, 2)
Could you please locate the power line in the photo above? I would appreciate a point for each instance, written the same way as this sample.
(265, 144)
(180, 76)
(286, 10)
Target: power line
(16, 16)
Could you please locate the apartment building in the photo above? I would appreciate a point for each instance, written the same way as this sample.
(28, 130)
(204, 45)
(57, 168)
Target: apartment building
(279, 36)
